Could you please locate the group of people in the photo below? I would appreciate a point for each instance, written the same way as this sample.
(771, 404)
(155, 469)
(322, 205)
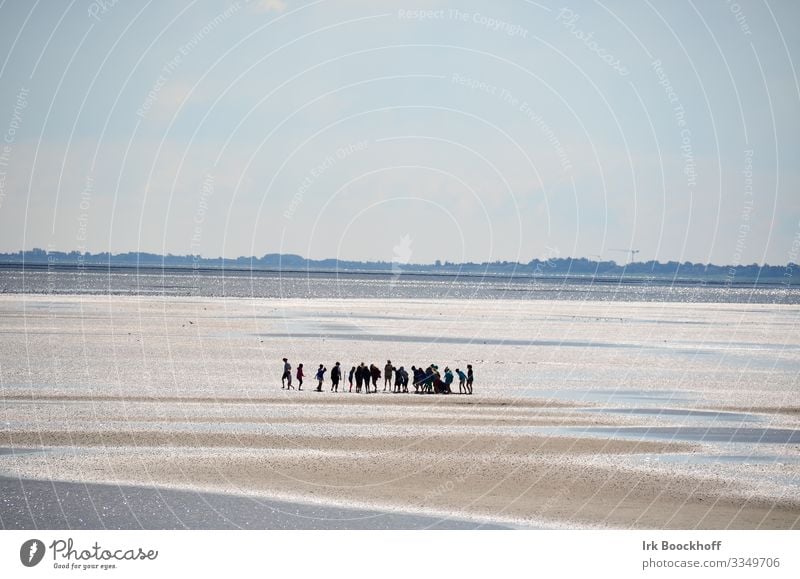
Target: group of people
(366, 378)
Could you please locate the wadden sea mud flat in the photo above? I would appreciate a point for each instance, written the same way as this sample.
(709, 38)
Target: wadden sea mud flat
(585, 414)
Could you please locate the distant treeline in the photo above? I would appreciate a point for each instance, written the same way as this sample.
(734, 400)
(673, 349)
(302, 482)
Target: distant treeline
(553, 267)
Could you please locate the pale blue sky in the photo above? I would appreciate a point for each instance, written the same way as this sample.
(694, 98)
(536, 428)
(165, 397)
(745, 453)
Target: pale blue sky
(480, 130)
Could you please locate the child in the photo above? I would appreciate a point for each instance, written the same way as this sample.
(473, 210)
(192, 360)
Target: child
(321, 376)
(470, 377)
(300, 377)
(350, 378)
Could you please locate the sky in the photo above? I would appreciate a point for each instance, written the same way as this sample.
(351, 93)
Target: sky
(403, 131)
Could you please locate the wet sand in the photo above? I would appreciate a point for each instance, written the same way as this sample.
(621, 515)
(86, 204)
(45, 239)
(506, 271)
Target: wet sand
(35, 504)
(495, 468)
(163, 394)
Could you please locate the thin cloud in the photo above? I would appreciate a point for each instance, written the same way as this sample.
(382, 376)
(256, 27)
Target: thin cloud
(270, 6)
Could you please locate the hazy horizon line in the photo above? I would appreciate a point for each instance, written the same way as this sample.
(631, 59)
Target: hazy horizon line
(435, 264)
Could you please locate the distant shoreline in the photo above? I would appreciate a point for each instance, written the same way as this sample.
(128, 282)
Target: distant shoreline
(550, 267)
(522, 275)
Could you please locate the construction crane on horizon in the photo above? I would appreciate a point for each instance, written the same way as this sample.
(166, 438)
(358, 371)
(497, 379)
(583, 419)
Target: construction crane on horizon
(633, 252)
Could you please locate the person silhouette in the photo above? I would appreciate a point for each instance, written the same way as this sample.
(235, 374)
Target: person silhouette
(336, 375)
(462, 379)
(387, 375)
(321, 376)
(286, 378)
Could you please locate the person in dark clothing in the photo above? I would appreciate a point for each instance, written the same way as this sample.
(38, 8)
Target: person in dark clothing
(418, 374)
(321, 376)
(433, 379)
(336, 375)
(300, 376)
(387, 375)
(470, 378)
(287, 374)
(403, 382)
(398, 379)
(438, 385)
(376, 375)
(362, 377)
(350, 378)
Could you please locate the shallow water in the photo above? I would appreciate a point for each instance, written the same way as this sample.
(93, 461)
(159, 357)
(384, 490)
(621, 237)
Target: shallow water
(656, 370)
(657, 398)
(34, 504)
(149, 281)
(587, 352)
(739, 459)
(709, 434)
(699, 415)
